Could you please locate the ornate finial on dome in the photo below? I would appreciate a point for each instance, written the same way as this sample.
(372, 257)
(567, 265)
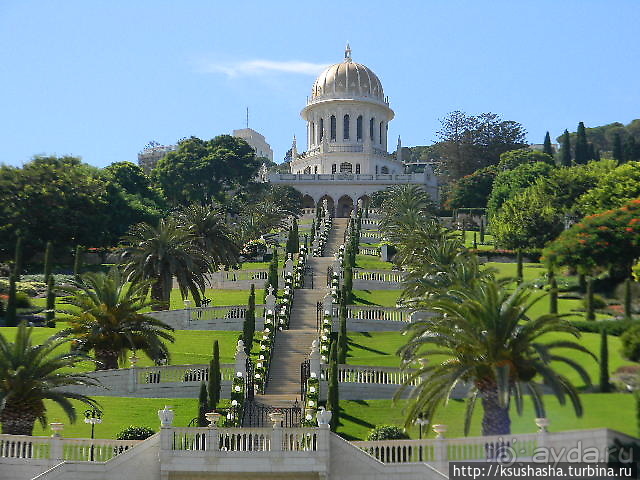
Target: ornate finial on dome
(347, 53)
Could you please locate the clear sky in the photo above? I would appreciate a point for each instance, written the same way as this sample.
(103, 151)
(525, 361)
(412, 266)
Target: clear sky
(99, 79)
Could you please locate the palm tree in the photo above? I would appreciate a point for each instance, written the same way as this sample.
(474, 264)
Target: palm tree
(159, 253)
(31, 374)
(211, 233)
(482, 337)
(107, 319)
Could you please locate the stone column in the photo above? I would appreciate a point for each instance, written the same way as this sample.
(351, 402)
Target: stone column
(441, 457)
(133, 373)
(288, 266)
(241, 359)
(270, 302)
(276, 434)
(166, 431)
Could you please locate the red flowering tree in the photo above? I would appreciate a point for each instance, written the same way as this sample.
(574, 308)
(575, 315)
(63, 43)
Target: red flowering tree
(609, 239)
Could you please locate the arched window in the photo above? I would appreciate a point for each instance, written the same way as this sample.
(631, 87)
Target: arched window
(321, 133)
(381, 133)
(359, 128)
(315, 169)
(384, 170)
(333, 127)
(307, 170)
(357, 168)
(345, 127)
(371, 122)
(376, 169)
(333, 168)
(346, 167)
(313, 133)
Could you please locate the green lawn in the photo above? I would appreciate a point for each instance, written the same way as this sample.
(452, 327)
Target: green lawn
(382, 298)
(379, 349)
(119, 413)
(360, 416)
(468, 241)
(369, 262)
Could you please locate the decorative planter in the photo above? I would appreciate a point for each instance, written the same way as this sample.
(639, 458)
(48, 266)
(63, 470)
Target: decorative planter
(542, 424)
(440, 430)
(213, 418)
(276, 418)
(166, 416)
(56, 428)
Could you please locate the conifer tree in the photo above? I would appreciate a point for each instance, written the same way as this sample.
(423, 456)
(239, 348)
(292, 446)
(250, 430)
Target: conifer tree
(48, 259)
(343, 339)
(627, 299)
(11, 319)
(482, 231)
(553, 293)
(631, 150)
(347, 284)
(77, 261)
(51, 304)
(203, 407)
(547, 148)
(591, 314)
(581, 152)
(214, 384)
(333, 395)
(565, 151)
(296, 237)
(17, 261)
(249, 325)
(519, 271)
(618, 153)
(605, 384)
(475, 240)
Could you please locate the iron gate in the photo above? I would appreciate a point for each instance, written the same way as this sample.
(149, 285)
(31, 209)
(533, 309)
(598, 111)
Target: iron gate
(248, 382)
(257, 415)
(305, 372)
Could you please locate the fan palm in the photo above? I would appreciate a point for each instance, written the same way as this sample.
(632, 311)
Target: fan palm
(31, 374)
(159, 253)
(107, 319)
(483, 337)
(211, 233)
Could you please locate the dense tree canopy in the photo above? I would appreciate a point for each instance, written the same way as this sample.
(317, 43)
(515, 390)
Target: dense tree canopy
(472, 191)
(513, 158)
(204, 170)
(613, 190)
(604, 137)
(468, 143)
(509, 183)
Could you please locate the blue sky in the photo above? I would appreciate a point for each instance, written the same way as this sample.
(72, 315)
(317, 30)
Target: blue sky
(99, 79)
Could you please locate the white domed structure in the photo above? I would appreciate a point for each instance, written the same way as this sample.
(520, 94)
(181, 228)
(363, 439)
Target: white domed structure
(346, 160)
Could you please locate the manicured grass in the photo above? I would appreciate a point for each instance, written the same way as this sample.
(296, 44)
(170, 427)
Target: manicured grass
(191, 346)
(382, 298)
(468, 241)
(119, 413)
(220, 296)
(377, 348)
(369, 262)
(359, 417)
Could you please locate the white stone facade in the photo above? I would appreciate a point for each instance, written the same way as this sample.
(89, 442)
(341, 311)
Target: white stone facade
(256, 141)
(346, 160)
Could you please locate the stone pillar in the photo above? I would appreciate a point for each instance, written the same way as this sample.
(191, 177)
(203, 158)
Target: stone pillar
(133, 373)
(56, 441)
(543, 431)
(314, 360)
(276, 434)
(327, 305)
(384, 252)
(288, 266)
(241, 359)
(166, 431)
(440, 455)
(270, 302)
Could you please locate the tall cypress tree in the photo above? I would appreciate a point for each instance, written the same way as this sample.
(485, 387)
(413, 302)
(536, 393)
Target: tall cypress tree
(565, 150)
(482, 231)
(51, 304)
(343, 339)
(17, 261)
(203, 406)
(519, 270)
(591, 314)
(11, 319)
(627, 299)
(618, 153)
(581, 152)
(605, 385)
(48, 262)
(295, 242)
(249, 325)
(553, 293)
(77, 261)
(333, 395)
(348, 284)
(214, 384)
(546, 147)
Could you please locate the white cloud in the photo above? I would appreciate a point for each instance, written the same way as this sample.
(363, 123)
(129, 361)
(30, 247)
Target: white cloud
(260, 67)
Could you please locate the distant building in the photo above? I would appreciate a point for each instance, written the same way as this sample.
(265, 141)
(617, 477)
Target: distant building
(257, 142)
(148, 158)
(538, 147)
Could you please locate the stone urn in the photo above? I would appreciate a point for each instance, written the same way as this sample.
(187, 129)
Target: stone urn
(440, 430)
(56, 428)
(276, 418)
(166, 416)
(323, 416)
(213, 418)
(542, 424)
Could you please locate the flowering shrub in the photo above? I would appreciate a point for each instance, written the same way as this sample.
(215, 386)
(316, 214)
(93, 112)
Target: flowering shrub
(325, 337)
(264, 358)
(311, 401)
(237, 401)
(609, 239)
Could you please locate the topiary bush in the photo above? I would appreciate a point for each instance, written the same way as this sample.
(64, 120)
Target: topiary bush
(631, 344)
(598, 302)
(135, 433)
(22, 300)
(387, 432)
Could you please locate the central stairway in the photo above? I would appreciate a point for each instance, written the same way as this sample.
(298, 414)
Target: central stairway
(292, 346)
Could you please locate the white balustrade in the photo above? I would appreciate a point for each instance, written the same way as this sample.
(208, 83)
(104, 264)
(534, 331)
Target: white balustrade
(373, 251)
(24, 446)
(222, 312)
(372, 312)
(370, 375)
(97, 450)
(379, 276)
(181, 373)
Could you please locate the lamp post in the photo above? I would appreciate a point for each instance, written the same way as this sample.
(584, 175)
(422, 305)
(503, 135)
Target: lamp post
(92, 416)
(421, 421)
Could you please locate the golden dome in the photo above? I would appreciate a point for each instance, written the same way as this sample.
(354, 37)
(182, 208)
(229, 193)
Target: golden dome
(347, 79)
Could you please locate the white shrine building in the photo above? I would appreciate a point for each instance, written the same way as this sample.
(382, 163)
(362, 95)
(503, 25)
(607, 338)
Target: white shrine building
(346, 159)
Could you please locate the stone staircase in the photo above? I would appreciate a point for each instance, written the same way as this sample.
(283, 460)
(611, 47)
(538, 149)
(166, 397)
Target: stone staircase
(292, 346)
